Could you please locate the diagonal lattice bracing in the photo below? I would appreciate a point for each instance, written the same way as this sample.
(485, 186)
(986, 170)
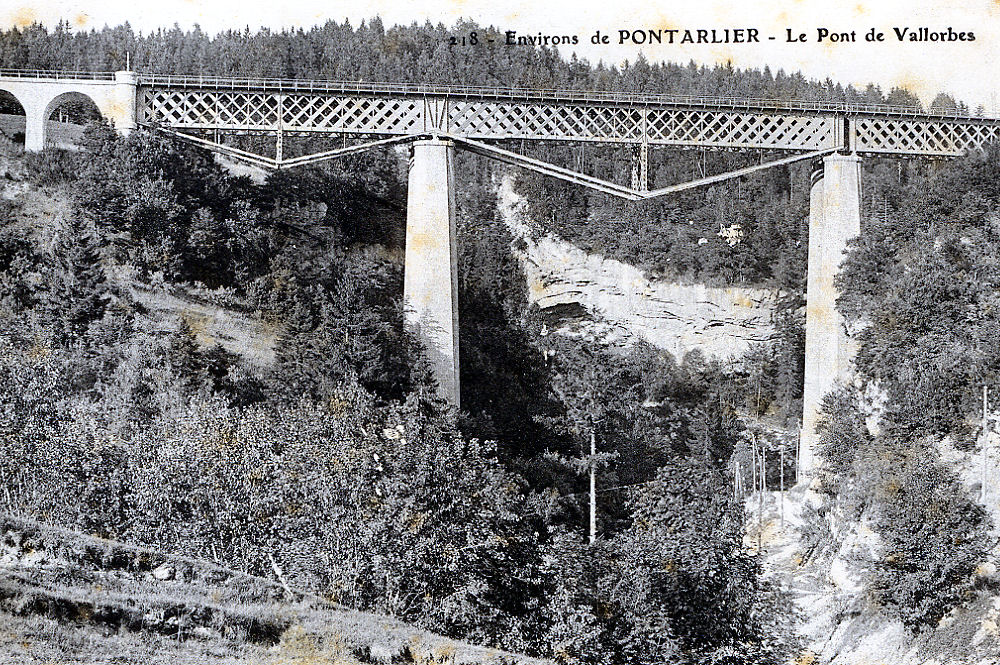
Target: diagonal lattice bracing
(493, 117)
(922, 137)
(241, 111)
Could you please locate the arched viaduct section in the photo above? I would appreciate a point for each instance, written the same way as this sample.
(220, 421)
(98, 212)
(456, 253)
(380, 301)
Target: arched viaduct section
(437, 119)
(113, 94)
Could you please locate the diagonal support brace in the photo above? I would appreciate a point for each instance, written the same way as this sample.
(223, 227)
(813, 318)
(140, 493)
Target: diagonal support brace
(268, 162)
(700, 182)
(342, 152)
(236, 153)
(538, 166)
(612, 188)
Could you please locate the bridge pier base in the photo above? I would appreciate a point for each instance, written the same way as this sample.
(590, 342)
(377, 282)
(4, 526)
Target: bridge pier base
(834, 218)
(430, 283)
(34, 126)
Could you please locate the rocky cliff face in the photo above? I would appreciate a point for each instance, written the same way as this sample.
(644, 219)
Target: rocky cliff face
(587, 294)
(825, 579)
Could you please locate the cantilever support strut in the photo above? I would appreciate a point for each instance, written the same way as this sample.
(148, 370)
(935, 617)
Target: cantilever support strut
(499, 154)
(281, 163)
(538, 166)
(612, 188)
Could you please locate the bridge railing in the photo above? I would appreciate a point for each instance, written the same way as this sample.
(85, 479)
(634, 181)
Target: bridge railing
(56, 74)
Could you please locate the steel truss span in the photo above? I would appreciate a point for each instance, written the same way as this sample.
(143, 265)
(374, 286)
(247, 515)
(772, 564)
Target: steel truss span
(488, 114)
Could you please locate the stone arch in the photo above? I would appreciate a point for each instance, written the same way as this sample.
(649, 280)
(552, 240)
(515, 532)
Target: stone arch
(65, 114)
(115, 100)
(13, 116)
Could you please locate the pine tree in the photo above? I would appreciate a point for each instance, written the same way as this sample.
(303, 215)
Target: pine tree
(186, 357)
(79, 292)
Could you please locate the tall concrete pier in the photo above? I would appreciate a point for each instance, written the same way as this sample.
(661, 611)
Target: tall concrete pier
(430, 283)
(834, 218)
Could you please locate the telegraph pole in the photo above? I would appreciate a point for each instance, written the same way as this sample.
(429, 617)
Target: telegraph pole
(593, 486)
(986, 438)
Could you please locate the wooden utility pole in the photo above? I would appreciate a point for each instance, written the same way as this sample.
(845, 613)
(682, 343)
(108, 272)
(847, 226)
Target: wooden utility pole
(985, 441)
(798, 452)
(593, 486)
(760, 500)
(781, 486)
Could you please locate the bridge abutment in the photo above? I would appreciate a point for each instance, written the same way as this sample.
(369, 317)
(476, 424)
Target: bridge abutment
(115, 99)
(430, 283)
(834, 218)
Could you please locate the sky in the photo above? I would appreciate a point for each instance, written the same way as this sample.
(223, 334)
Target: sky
(969, 70)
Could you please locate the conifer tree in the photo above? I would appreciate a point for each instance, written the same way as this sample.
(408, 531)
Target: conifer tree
(79, 291)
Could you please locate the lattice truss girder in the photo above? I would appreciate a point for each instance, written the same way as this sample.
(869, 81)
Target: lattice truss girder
(665, 127)
(483, 119)
(921, 137)
(228, 110)
(486, 119)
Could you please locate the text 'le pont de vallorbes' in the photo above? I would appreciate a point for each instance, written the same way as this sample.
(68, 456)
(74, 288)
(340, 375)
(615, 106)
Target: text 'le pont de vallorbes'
(684, 36)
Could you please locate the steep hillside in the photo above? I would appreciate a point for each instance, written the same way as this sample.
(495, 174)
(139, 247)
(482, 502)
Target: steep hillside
(215, 317)
(70, 598)
(823, 556)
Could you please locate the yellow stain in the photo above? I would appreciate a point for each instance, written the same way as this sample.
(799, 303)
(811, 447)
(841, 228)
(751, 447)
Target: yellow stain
(806, 658)
(913, 83)
(81, 20)
(663, 23)
(23, 17)
(115, 111)
(420, 242)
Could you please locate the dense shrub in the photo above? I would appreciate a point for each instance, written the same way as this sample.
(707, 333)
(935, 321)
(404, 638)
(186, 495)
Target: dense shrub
(921, 284)
(934, 537)
(675, 586)
(54, 167)
(844, 435)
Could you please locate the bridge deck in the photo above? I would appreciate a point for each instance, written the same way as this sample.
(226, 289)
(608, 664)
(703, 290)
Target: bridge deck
(565, 95)
(355, 108)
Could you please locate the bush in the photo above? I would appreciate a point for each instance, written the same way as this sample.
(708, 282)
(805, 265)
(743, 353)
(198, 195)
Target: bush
(933, 535)
(843, 432)
(54, 166)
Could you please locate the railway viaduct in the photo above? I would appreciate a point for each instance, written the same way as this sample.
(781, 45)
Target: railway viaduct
(437, 119)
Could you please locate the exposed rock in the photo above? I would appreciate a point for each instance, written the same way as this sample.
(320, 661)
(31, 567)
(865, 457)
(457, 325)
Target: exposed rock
(624, 305)
(164, 572)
